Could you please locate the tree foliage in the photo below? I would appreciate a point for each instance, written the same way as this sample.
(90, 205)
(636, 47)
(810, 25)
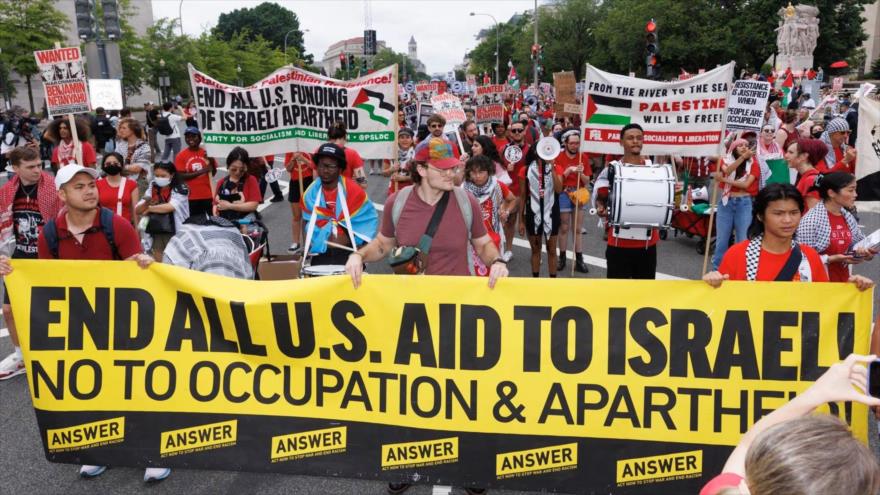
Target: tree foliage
(25, 27)
(267, 20)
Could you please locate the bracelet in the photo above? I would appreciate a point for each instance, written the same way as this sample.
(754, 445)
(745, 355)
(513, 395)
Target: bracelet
(498, 260)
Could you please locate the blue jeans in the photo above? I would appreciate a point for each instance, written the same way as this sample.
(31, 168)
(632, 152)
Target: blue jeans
(735, 216)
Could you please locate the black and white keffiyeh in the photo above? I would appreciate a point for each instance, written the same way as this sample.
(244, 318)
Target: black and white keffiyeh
(541, 196)
(815, 228)
(490, 191)
(753, 258)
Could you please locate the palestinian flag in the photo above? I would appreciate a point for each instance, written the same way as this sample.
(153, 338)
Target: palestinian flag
(374, 104)
(787, 86)
(512, 80)
(608, 110)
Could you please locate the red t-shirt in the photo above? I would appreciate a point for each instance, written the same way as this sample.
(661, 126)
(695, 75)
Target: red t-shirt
(517, 167)
(500, 143)
(108, 196)
(720, 482)
(806, 182)
(88, 155)
(769, 264)
(841, 240)
(353, 160)
(293, 168)
(251, 190)
(189, 161)
(94, 245)
(448, 254)
(563, 161)
(755, 171)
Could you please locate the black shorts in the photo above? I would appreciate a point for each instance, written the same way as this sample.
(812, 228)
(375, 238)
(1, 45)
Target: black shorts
(554, 219)
(293, 193)
(201, 206)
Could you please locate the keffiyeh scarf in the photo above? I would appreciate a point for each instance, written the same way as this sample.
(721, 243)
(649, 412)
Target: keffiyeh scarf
(541, 196)
(815, 228)
(753, 258)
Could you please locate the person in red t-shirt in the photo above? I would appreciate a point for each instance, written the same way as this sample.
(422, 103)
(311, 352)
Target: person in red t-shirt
(115, 192)
(795, 450)
(237, 194)
(574, 168)
(64, 153)
(499, 137)
(514, 170)
(338, 135)
(765, 257)
(802, 155)
(193, 166)
(831, 229)
(300, 167)
(627, 258)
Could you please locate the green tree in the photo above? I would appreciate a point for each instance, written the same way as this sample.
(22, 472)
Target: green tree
(131, 50)
(514, 44)
(163, 43)
(268, 20)
(840, 30)
(386, 57)
(567, 35)
(27, 26)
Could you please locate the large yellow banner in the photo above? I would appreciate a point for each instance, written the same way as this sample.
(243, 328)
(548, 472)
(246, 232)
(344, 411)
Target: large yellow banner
(674, 364)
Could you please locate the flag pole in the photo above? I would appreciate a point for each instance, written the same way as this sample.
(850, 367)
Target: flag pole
(395, 159)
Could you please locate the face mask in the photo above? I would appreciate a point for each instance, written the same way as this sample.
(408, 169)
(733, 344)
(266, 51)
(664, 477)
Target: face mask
(112, 169)
(817, 135)
(162, 181)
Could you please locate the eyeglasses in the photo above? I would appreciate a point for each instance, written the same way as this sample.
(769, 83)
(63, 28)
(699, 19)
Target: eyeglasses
(445, 171)
(516, 131)
(435, 126)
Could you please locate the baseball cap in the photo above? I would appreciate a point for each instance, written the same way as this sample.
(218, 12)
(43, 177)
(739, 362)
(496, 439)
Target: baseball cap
(65, 174)
(405, 130)
(192, 130)
(331, 150)
(436, 152)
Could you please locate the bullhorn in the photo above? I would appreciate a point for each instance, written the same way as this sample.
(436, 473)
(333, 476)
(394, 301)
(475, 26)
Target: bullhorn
(548, 148)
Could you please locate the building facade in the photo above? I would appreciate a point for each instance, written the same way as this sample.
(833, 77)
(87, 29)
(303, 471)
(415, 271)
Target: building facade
(872, 29)
(352, 46)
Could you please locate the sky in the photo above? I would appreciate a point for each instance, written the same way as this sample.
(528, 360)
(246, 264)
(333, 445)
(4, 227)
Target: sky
(444, 30)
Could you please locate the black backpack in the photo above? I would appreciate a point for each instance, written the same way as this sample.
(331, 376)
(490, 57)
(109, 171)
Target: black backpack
(164, 126)
(50, 233)
(104, 130)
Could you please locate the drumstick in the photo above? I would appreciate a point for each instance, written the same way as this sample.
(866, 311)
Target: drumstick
(340, 246)
(712, 206)
(575, 231)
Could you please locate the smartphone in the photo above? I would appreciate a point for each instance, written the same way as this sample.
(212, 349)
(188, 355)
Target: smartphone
(874, 379)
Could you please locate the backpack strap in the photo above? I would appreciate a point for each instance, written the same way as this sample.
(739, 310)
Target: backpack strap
(107, 228)
(399, 203)
(50, 233)
(464, 205)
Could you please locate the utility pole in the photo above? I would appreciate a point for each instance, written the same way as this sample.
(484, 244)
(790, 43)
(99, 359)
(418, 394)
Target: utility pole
(536, 43)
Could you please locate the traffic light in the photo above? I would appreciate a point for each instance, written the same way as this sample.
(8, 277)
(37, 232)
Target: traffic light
(341, 59)
(111, 19)
(351, 60)
(85, 18)
(364, 64)
(652, 50)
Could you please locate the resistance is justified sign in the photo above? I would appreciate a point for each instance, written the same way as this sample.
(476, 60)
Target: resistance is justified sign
(538, 384)
(291, 110)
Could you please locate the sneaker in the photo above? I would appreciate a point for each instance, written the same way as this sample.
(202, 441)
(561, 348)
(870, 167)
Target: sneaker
(88, 471)
(277, 199)
(12, 365)
(395, 488)
(293, 247)
(154, 475)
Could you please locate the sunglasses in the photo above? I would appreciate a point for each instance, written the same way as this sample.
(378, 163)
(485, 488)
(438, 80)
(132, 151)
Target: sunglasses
(516, 131)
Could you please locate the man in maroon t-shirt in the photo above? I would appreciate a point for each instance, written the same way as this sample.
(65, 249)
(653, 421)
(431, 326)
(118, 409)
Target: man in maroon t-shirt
(80, 236)
(448, 255)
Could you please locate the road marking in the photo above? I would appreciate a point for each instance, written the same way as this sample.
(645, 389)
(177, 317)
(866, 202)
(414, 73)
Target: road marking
(590, 260)
(4, 332)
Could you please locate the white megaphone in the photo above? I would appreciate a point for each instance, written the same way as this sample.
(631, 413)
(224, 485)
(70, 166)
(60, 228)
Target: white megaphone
(548, 148)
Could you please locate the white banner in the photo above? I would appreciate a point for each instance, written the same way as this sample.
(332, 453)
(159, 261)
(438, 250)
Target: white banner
(291, 110)
(449, 106)
(106, 93)
(686, 118)
(64, 80)
(748, 99)
(868, 147)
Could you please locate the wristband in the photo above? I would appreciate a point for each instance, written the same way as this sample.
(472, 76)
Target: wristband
(498, 260)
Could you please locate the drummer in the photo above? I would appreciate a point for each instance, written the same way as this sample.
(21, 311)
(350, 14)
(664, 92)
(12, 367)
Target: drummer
(627, 258)
(338, 214)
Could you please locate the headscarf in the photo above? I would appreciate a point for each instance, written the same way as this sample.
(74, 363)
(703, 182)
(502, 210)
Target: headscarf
(836, 124)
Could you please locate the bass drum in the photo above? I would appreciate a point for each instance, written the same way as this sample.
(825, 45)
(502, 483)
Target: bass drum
(322, 271)
(641, 198)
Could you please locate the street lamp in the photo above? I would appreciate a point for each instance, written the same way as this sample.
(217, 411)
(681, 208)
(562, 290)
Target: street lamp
(238, 70)
(164, 81)
(497, 34)
(285, 41)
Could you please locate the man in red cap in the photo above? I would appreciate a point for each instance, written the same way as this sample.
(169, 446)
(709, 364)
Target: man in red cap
(408, 212)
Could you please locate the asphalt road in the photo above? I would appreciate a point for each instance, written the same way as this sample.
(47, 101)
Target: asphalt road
(26, 471)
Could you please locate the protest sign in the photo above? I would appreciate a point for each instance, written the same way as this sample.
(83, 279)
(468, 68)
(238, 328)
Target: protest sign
(837, 84)
(425, 91)
(425, 111)
(685, 118)
(64, 80)
(868, 148)
(748, 99)
(175, 368)
(411, 116)
(490, 104)
(291, 110)
(449, 106)
(472, 83)
(106, 93)
(565, 86)
(571, 108)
